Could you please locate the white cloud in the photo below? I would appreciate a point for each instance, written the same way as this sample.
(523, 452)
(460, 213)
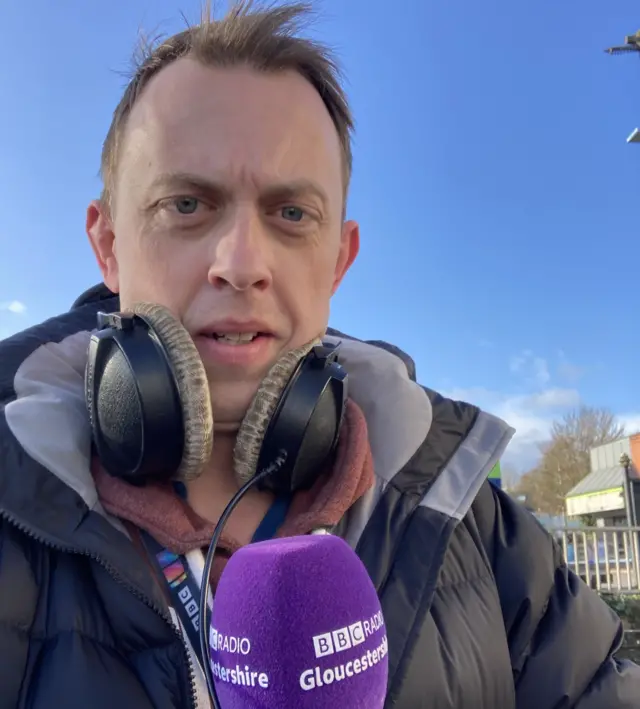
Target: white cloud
(534, 403)
(9, 323)
(517, 362)
(631, 422)
(533, 368)
(14, 306)
(552, 399)
(530, 414)
(569, 371)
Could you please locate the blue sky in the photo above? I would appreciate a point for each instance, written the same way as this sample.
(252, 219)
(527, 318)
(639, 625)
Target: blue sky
(497, 197)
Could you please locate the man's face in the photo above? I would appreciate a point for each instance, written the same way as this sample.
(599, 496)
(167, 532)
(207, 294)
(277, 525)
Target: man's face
(228, 210)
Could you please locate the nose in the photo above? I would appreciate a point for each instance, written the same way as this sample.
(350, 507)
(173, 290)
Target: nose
(241, 259)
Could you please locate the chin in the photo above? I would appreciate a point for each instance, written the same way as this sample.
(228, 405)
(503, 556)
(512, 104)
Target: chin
(230, 401)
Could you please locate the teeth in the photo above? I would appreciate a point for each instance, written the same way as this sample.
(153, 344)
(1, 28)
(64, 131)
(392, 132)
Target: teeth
(236, 338)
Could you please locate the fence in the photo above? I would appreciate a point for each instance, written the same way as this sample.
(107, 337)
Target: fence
(607, 558)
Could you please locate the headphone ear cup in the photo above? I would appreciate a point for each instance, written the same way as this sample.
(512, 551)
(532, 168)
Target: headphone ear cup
(253, 428)
(147, 396)
(193, 387)
(292, 426)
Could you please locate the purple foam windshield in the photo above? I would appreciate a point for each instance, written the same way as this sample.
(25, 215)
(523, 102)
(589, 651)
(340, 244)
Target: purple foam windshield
(297, 624)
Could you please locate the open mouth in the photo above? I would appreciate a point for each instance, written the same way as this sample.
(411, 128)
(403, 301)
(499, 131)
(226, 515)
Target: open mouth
(236, 338)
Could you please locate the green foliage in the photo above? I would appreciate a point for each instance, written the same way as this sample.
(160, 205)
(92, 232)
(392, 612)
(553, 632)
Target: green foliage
(628, 608)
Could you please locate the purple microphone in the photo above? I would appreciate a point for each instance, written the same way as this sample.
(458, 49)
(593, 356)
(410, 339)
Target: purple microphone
(297, 623)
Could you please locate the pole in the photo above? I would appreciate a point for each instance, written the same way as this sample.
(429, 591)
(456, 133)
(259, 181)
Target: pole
(630, 505)
(625, 464)
(631, 45)
(627, 497)
(632, 498)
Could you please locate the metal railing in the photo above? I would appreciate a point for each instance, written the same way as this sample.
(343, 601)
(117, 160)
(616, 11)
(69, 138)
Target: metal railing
(606, 558)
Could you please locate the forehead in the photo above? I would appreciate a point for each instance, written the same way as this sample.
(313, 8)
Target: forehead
(235, 124)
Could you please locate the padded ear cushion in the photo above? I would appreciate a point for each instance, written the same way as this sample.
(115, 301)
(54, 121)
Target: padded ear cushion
(193, 387)
(254, 425)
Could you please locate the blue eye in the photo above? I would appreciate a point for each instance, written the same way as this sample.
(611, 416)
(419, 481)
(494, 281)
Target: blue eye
(186, 205)
(293, 214)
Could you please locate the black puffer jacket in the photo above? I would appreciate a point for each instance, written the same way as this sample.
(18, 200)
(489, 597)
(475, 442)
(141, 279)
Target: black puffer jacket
(481, 612)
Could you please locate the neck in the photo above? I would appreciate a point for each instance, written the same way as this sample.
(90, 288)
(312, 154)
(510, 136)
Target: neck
(209, 494)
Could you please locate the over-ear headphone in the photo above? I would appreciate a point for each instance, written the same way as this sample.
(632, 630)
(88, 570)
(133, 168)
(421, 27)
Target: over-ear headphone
(148, 400)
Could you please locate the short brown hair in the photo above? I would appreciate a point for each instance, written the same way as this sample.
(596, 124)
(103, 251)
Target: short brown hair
(265, 38)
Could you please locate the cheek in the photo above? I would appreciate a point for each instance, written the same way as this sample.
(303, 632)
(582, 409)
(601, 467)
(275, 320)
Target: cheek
(305, 283)
(155, 270)
(307, 272)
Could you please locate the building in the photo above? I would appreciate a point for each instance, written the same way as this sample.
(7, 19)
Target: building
(610, 493)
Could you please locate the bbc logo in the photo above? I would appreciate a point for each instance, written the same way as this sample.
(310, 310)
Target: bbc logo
(338, 640)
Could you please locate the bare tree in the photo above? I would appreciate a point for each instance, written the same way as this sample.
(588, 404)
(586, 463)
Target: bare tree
(530, 487)
(565, 457)
(588, 427)
(509, 476)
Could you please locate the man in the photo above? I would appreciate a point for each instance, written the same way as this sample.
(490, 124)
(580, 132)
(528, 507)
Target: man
(226, 170)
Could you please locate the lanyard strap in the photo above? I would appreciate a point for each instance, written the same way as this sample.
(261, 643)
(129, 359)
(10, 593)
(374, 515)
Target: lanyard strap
(272, 521)
(182, 586)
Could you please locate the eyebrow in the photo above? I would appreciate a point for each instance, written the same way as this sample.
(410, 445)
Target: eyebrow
(271, 192)
(188, 181)
(295, 188)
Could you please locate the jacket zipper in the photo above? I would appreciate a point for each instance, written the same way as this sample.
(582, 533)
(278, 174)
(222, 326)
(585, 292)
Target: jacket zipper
(42, 539)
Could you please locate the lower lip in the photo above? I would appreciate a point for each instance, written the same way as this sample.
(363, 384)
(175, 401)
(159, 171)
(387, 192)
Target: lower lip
(221, 352)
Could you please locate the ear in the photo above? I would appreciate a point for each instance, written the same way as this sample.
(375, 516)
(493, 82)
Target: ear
(103, 242)
(349, 247)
